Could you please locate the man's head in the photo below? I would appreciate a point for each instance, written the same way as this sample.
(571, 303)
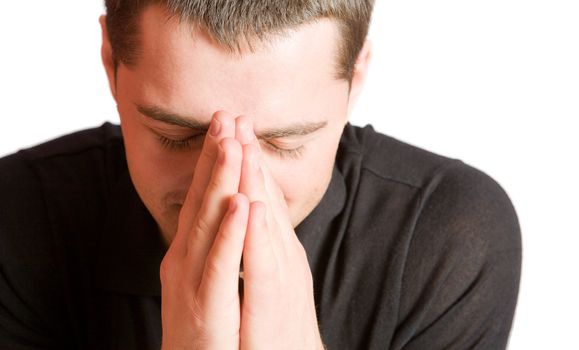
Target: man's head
(289, 67)
(233, 23)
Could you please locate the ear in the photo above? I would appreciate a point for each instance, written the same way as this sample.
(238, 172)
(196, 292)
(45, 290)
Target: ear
(107, 57)
(359, 74)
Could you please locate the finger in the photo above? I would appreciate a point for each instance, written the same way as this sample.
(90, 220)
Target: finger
(260, 266)
(223, 184)
(276, 197)
(280, 211)
(244, 131)
(252, 182)
(222, 126)
(219, 284)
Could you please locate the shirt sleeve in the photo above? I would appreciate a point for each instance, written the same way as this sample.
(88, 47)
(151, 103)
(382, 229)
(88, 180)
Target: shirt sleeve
(28, 317)
(461, 276)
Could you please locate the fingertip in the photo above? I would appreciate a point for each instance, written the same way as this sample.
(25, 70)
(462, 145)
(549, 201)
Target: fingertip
(258, 205)
(225, 121)
(229, 148)
(215, 127)
(258, 212)
(233, 204)
(238, 201)
(222, 116)
(252, 178)
(244, 130)
(230, 143)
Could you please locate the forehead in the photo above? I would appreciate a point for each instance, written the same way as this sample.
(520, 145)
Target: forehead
(183, 67)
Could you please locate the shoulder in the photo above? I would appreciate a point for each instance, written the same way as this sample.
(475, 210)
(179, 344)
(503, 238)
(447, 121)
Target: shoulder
(40, 183)
(68, 167)
(34, 182)
(436, 190)
(467, 210)
(78, 152)
(462, 264)
(441, 211)
(439, 237)
(49, 200)
(456, 234)
(389, 158)
(36, 179)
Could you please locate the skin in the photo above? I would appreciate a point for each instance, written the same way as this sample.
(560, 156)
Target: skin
(183, 77)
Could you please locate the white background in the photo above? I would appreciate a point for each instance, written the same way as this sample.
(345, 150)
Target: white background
(494, 83)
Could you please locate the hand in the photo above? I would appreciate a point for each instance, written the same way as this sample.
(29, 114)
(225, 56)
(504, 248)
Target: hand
(200, 271)
(278, 309)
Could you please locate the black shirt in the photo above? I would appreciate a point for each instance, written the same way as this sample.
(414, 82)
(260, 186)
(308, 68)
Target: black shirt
(408, 249)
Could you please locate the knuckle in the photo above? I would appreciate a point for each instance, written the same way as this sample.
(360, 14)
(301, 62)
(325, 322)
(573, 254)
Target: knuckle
(197, 317)
(202, 226)
(213, 270)
(215, 183)
(195, 308)
(207, 154)
(195, 193)
(229, 234)
(167, 269)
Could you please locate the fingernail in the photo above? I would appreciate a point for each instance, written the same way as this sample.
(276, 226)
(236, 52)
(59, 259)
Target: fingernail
(215, 127)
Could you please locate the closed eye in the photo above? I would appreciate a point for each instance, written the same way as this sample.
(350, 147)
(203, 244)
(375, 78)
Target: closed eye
(284, 153)
(180, 144)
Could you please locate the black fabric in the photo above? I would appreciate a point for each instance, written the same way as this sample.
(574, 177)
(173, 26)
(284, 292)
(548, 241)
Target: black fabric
(408, 249)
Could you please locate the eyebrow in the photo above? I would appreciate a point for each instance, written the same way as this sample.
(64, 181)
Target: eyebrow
(159, 114)
(167, 117)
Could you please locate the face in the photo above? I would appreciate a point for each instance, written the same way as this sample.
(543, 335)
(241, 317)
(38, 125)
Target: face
(183, 76)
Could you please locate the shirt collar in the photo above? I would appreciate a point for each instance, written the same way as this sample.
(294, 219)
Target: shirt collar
(130, 249)
(327, 209)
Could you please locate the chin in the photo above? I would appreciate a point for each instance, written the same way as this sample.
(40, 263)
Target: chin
(303, 213)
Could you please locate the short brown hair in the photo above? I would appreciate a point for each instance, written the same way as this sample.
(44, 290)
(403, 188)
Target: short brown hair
(231, 22)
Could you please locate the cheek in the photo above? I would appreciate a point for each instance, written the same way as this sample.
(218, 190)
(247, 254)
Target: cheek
(299, 182)
(303, 182)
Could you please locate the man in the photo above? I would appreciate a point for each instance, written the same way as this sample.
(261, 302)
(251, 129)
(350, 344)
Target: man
(235, 151)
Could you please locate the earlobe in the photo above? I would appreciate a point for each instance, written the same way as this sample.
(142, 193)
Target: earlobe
(107, 57)
(360, 73)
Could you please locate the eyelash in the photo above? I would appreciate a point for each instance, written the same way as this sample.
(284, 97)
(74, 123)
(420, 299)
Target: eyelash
(283, 153)
(178, 145)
